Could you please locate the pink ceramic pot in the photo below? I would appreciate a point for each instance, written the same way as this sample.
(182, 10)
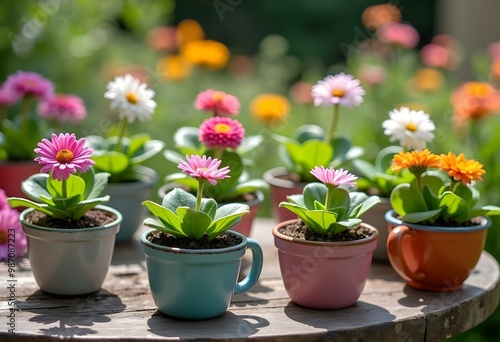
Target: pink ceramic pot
(324, 275)
(279, 189)
(12, 174)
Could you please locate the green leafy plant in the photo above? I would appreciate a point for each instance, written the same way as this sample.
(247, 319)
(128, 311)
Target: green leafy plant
(327, 208)
(181, 214)
(437, 198)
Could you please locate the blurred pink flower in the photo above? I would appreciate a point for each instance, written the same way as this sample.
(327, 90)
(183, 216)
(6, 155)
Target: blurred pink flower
(6, 98)
(163, 38)
(63, 108)
(341, 89)
(25, 84)
(372, 74)
(301, 92)
(218, 102)
(494, 50)
(434, 55)
(221, 132)
(400, 34)
(333, 177)
(10, 225)
(64, 155)
(204, 168)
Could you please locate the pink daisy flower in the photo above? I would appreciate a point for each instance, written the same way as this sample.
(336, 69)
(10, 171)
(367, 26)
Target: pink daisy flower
(333, 177)
(218, 102)
(23, 84)
(400, 34)
(64, 155)
(10, 224)
(341, 89)
(221, 132)
(204, 168)
(63, 108)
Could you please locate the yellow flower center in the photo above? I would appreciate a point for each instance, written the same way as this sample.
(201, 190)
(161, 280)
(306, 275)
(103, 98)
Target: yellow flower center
(338, 93)
(410, 126)
(64, 156)
(3, 237)
(218, 96)
(222, 128)
(132, 98)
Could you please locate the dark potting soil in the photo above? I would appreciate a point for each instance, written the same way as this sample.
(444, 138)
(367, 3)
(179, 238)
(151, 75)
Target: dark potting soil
(293, 177)
(298, 230)
(93, 218)
(222, 241)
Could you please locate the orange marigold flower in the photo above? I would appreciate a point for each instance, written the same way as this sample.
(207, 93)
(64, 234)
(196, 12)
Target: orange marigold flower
(173, 68)
(427, 79)
(415, 161)
(206, 53)
(461, 169)
(270, 108)
(376, 16)
(473, 100)
(189, 30)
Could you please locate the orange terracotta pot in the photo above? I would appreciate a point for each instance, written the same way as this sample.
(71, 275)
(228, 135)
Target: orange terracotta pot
(434, 258)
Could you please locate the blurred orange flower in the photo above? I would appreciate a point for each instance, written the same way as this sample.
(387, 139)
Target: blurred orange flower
(427, 79)
(173, 68)
(163, 38)
(495, 70)
(270, 108)
(206, 53)
(473, 100)
(376, 16)
(189, 30)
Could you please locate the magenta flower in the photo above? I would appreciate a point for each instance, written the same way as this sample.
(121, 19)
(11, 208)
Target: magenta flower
(333, 177)
(63, 108)
(400, 34)
(10, 224)
(64, 155)
(3, 200)
(220, 132)
(434, 55)
(25, 84)
(218, 102)
(6, 98)
(204, 168)
(341, 89)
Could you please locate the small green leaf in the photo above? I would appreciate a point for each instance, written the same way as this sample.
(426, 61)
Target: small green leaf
(150, 222)
(100, 183)
(80, 208)
(149, 150)
(453, 207)
(323, 220)
(209, 207)
(314, 192)
(309, 132)
(74, 186)
(193, 223)
(249, 143)
(36, 186)
(178, 198)
(421, 216)
(166, 216)
(110, 161)
(406, 199)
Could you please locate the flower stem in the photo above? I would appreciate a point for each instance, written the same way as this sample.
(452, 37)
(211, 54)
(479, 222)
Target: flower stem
(218, 153)
(418, 179)
(199, 195)
(333, 124)
(64, 190)
(121, 133)
(329, 196)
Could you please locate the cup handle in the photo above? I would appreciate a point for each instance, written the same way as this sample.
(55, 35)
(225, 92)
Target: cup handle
(396, 255)
(254, 274)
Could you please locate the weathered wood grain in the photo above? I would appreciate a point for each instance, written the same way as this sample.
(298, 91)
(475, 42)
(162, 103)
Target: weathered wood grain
(123, 309)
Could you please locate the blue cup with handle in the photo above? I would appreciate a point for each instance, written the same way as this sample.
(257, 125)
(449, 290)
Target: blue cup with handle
(199, 283)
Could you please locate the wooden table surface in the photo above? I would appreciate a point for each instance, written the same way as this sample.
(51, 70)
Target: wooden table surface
(123, 309)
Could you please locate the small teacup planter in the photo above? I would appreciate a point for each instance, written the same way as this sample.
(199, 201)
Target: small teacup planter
(326, 254)
(437, 230)
(70, 235)
(435, 258)
(193, 259)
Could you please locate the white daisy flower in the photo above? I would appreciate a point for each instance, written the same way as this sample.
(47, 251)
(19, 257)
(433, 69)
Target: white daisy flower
(130, 98)
(413, 129)
(341, 89)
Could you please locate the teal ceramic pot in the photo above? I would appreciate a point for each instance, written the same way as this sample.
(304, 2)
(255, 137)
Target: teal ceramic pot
(198, 284)
(71, 261)
(127, 198)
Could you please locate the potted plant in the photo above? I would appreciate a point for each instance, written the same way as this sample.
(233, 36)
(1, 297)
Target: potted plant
(311, 145)
(70, 234)
(438, 227)
(326, 253)
(223, 138)
(130, 182)
(193, 260)
(413, 129)
(21, 128)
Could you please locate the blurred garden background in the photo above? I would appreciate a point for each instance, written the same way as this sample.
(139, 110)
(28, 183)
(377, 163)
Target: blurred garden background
(446, 62)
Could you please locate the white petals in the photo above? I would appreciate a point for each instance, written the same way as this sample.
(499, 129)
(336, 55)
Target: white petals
(413, 129)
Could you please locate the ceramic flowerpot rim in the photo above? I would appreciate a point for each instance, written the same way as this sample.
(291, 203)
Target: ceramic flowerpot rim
(390, 217)
(116, 213)
(271, 177)
(259, 194)
(158, 247)
(146, 176)
(339, 244)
